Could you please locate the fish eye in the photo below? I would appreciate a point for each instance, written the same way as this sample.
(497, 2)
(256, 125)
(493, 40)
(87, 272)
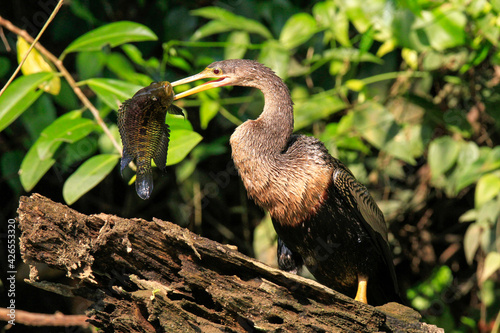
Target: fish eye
(217, 71)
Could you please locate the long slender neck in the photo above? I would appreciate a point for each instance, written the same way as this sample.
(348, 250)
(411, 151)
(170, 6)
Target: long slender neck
(276, 121)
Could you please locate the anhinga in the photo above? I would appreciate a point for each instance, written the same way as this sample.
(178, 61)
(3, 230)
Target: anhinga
(323, 216)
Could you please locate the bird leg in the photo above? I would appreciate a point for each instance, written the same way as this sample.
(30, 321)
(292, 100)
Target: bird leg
(362, 285)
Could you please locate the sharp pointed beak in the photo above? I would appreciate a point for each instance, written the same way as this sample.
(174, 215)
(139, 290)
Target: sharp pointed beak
(221, 81)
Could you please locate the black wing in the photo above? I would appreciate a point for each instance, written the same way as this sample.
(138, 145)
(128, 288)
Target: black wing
(357, 196)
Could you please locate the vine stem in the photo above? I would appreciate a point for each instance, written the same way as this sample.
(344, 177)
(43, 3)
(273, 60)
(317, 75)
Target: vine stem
(60, 66)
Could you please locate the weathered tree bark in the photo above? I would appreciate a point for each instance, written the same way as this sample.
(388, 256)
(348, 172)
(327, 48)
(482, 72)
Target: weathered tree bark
(154, 276)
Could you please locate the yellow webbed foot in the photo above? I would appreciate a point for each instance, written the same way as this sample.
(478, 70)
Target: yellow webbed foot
(362, 285)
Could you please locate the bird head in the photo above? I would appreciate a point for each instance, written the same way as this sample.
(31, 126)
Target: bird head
(234, 72)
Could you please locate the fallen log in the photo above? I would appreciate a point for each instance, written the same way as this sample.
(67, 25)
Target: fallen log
(154, 276)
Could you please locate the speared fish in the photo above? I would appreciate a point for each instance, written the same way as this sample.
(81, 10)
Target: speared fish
(145, 136)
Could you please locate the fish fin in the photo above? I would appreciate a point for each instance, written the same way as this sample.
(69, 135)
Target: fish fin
(126, 159)
(174, 109)
(144, 182)
(122, 127)
(160, 156)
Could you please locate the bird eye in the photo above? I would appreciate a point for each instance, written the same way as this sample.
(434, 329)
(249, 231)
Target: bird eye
(217, 71)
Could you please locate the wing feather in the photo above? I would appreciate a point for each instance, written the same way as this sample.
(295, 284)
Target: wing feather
(357, 197)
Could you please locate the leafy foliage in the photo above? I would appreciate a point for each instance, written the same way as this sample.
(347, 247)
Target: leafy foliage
(71, 127)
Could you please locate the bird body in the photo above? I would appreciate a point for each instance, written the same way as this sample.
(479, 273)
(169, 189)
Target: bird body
(323, 216)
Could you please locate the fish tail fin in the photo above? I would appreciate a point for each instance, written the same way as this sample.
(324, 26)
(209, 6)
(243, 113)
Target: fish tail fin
(144, 182)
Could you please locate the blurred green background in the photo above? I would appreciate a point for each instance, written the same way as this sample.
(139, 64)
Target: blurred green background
(406, 93)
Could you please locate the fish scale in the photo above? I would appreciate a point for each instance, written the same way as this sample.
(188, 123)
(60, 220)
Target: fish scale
(144, 134)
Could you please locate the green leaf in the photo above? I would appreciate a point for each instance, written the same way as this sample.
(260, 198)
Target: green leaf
(211, 28)
(488, 213)
(104, 142)
(204, 151)
(66, 97)
(469, 163)
(468, 216)
(491, 265)
(112, 92)
(88, 175)
(63, 130)
(341, 29)
(178, 122)
(264, 236)
(297, 30)
(375, 123)
(38, 116)
(314, 108)
(214, 13)
(440, 29)
(471, 241)
(488, 187)
(179, 62)
(181, 143)
(134, 54)
(444, 27)
(324, 13)
(456, 121)
(224, 20)
(356, 11)
(405, 33)
(443, 153)
(10, 163)
(378, 126)
(407, 144)
(238, 41)
(492, 161)
(19, 96)
(33, 167)
(274, 56)
(121, 67)
(442, 278)
(112, 34)
(386, 47)
(4, 66)
(36, 63)
(90, 64)
(77, 152)
(83, 11)
(208, 110)
(334, 138)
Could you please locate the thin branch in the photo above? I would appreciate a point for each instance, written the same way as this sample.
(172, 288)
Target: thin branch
(54, 12)
(43, 319)
(4, 40)
(226, 114)
(58, 63)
